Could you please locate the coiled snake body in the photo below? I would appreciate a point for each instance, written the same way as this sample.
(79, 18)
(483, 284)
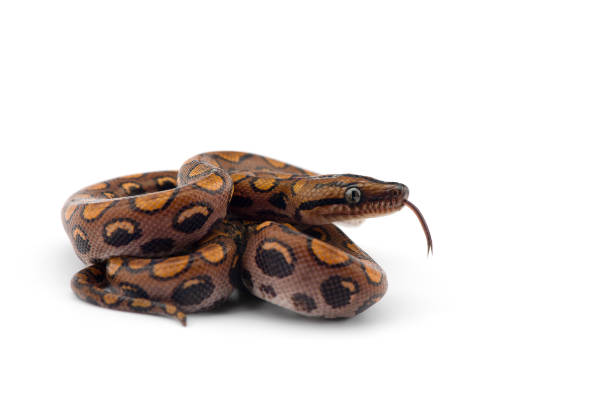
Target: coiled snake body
(172, 243)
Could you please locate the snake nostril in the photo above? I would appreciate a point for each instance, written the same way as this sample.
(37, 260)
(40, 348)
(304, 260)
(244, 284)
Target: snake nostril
(399, 190)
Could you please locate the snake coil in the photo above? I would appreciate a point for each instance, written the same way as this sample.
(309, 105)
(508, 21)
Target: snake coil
(172, 243)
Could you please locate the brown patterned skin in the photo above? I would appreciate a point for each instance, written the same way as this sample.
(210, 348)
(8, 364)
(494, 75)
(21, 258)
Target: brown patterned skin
(172, 243)
(312, 270)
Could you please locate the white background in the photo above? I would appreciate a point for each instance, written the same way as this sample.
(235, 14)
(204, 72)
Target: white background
(496, 114)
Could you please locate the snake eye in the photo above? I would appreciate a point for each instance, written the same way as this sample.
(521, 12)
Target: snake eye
(352, 195)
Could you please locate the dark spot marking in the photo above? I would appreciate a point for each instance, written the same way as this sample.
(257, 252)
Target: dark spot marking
(279, 200)
(82, 244)
(192, 217)
(193, 291)
(367, 304)
(318, 233)
(133, 188)
(267, 290)
(242, 202)
(92, 274)
(337, 292)
(275, 258)
(157, 245)
(121, 231)
(134, 291)
(303, 302)
(165, 184)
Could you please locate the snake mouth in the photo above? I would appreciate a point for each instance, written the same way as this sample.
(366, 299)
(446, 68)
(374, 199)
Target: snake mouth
(375, 208)
(343, 212)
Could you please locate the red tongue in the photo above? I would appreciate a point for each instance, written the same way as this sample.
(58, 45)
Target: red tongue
(423, 224)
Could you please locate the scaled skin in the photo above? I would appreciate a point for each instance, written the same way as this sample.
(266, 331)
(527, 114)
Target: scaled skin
(165, 243)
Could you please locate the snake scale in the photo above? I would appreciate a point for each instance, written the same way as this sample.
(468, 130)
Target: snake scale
(171, 243)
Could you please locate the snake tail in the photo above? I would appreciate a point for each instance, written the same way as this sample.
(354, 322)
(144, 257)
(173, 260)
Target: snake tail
(92, 285)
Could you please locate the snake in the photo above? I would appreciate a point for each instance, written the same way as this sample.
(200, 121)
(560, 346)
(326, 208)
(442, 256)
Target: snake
(173, 242)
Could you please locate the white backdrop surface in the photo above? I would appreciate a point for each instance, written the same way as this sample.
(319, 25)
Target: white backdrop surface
(495, 114)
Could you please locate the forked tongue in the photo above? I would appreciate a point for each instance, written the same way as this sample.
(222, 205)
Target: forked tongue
(423, 224)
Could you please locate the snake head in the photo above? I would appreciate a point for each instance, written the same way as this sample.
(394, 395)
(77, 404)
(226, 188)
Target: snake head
(347, 197)
(327, 199)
